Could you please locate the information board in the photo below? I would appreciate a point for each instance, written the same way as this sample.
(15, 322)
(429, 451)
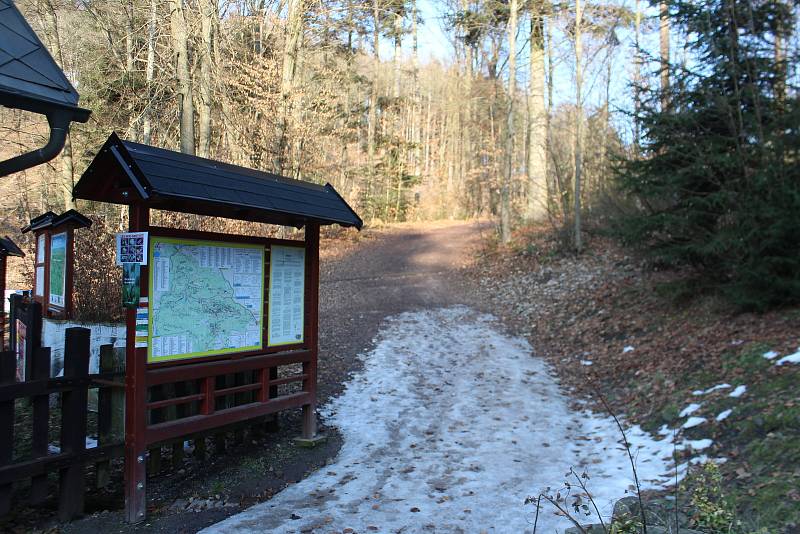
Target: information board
(58, 268)
(206, 298)
(287, 269)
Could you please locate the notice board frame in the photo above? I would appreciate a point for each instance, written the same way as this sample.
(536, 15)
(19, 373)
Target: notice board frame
(140, 374)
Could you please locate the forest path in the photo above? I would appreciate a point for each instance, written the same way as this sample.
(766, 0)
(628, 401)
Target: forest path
(449, 422)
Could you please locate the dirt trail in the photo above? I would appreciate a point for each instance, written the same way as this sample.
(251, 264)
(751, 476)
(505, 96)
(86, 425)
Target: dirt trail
(403, 268)
(450, 423)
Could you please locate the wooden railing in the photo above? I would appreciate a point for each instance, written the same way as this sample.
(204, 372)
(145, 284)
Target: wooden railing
(71, 456)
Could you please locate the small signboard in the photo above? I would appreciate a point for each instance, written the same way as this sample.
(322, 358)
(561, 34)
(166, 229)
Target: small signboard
(286, 295)
(132, 248)
(58, 268)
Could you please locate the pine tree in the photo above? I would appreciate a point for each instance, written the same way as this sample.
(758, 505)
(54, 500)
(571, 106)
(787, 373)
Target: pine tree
(718, 181)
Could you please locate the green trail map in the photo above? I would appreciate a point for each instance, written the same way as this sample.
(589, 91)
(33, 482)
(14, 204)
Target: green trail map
(58, 266)
(206, 298)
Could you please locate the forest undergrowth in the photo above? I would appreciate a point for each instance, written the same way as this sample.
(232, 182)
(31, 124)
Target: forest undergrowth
(682, 365)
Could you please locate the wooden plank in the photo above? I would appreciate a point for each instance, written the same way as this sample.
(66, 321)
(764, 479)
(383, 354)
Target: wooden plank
(288, 380)
(41, 423)
(200, 423)
(176, 400)
(72, 482)
(198, 371)
(237, 389)
(41, 466)
(8, 365)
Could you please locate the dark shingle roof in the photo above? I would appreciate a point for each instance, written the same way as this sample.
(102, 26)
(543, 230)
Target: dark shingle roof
(124, 172)
(9, 248)
(29, 77)
(50, 219)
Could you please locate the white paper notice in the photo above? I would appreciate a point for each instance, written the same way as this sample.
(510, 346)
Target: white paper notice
(286, 292)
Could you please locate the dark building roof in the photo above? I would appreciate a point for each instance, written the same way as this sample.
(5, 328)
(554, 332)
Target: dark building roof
(124, 172)
(29, 77)
(50, 219)
(9, 248)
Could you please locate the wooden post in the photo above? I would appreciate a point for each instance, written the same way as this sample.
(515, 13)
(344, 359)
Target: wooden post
(41, 422)
(312, 301)
(110, 411)
(8, 365)
(2, 302)
(135, 394)
(72, 483)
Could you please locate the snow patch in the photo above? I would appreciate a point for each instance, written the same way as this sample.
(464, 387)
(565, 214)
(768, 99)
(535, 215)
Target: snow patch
(791, 358)
(586, 362)
(693, 422)
(627, 349)
(690, 409)
(711, 389)
(738, 392)
(723, 415)
(699, 444)
(456, 422)
(771, 355)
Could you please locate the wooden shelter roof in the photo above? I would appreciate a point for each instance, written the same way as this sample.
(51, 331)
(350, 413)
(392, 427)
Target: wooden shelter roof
(29, 77)
(9, 248)
(124, 172)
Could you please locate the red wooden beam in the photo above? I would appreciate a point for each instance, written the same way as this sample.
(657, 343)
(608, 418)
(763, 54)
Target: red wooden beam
(196, 371)
(198, 423)
(135, 394)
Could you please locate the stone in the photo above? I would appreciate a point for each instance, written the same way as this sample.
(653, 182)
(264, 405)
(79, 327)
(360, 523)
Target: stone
(310, 443)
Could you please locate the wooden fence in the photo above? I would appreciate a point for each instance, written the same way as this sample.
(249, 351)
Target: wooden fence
(71, 457)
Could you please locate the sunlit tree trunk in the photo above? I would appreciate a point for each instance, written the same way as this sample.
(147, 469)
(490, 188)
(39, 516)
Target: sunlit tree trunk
(373, 97)
(663, 16)
(578, 122)
(67, 168)
(208, 12)
(505, 190)
(537, 119)
(147, 120)
(180, 43)
(291, 49)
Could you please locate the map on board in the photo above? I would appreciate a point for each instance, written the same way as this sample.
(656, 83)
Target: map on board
(58, 268)
(206, 298)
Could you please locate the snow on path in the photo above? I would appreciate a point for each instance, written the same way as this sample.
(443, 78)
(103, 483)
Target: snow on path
(448, 428)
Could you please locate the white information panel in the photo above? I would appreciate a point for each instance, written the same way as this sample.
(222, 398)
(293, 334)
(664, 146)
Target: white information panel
(286, 295)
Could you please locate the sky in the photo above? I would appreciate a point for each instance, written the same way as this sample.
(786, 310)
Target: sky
(436, 44)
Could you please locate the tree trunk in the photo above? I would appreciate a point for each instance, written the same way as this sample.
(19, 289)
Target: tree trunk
(663, 35)
(637, 77)
(398, 49)
(147, 121)
(537, 119)
(505, 191)
(67, 170)
(578, 123)
(208, 12)
(373, 97)
(291, 49)
(180, 41)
